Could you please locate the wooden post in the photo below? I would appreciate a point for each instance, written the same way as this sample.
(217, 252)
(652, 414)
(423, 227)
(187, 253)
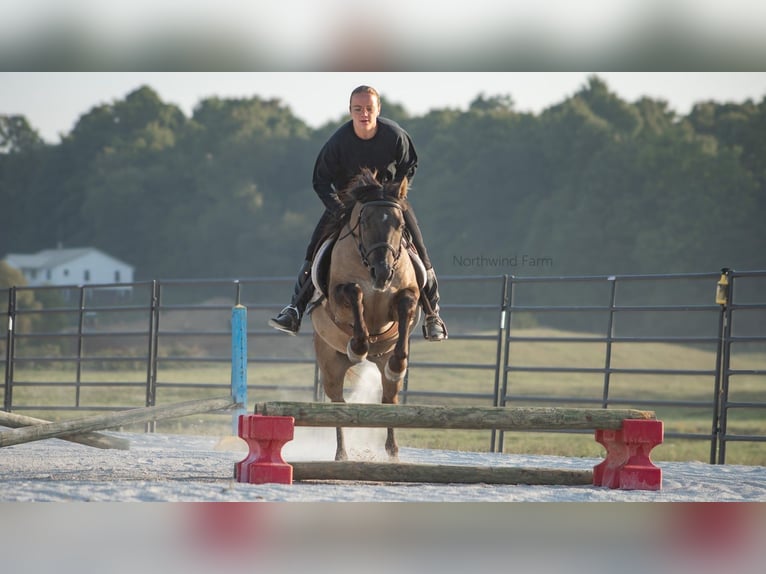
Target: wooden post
(93, 439)
(445, 417)
(111, 420)
(436, 473)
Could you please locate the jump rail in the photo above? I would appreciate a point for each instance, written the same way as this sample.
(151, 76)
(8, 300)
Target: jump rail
(445, 417)
(112, 420)
(436, 473)
(96, 440)
(628, 436)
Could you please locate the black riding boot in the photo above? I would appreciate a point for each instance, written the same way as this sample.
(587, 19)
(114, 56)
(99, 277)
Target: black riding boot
(289, 318)
(434, 328)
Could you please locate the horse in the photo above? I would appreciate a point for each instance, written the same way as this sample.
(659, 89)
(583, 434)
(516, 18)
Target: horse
(372, 295)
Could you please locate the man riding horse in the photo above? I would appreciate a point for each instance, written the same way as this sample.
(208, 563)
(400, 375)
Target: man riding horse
(367, 141)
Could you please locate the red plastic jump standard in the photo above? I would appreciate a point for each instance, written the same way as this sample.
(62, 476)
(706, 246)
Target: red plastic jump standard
(265, 437)
(628, 465)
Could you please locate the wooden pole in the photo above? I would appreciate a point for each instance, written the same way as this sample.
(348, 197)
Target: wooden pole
(93, 439)
(445, 417)
(110, 420)
(436, 473)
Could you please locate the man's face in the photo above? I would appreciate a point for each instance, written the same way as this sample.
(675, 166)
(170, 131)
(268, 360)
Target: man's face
(365, 110)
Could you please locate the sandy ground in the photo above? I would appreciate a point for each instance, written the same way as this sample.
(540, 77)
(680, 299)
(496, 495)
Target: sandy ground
(367, 533)
(175, 468)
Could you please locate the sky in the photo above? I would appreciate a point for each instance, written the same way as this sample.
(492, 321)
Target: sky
(311, 54)
(53, 101)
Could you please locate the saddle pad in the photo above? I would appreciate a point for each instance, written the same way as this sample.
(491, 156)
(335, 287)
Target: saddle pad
(320, 268)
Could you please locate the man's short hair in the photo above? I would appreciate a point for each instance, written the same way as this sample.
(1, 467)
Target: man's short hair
(364, 90)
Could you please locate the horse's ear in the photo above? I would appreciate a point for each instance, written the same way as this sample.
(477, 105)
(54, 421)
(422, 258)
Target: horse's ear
(403, 189)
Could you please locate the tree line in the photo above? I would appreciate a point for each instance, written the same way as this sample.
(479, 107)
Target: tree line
(591, 185)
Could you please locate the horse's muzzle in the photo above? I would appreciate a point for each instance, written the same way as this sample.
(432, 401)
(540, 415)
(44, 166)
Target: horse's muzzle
(381, 276)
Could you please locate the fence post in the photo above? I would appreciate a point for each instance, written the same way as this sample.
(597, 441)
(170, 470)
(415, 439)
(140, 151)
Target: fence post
(717, 390)
(507, 324)
(724, 297)
(80, 330)
(151, 359)
(9, 350)
(609, 336)
(504, 300)
(238, 362)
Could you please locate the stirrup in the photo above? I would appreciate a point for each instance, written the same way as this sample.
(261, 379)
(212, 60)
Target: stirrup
(434, 321)
(288, 320)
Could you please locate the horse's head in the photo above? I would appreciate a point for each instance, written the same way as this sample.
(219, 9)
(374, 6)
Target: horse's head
(378, 218)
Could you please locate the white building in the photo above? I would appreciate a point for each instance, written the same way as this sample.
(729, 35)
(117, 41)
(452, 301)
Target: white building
(81, 266)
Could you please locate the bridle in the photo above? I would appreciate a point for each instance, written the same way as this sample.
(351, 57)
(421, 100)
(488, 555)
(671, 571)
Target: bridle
(365, 251)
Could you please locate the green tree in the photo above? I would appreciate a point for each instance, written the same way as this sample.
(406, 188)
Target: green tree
(17, 136)
(621, 116)
(595, 183)
(497, 103)
(23, 166)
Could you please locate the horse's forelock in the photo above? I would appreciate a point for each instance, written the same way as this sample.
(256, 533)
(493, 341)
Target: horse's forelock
(365, 187)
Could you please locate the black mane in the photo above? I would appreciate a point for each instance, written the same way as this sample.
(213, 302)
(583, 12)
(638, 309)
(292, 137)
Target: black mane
(365, 187)
(362, 188)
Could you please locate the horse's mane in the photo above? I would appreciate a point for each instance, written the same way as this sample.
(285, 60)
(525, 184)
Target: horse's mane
(363, 187)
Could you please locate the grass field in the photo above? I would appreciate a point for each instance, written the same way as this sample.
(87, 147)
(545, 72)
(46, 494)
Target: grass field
(127, 389)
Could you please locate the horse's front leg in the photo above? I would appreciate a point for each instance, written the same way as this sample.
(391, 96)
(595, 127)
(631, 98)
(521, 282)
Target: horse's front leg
(332, 369)
(340, 442)
(350, 294)
(396, 366)
(406, 303)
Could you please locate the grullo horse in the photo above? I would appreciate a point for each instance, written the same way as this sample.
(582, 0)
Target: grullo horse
(372, 294)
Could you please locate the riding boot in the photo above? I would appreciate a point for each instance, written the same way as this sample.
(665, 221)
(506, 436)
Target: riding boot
(289, 318)
(434, 328)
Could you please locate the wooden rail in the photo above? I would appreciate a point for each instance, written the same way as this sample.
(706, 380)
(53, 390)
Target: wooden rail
(447, 417)
(436, 473)
(96, 440)
(111, 420)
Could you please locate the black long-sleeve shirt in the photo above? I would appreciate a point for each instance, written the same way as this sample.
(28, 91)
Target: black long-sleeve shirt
(390, 152)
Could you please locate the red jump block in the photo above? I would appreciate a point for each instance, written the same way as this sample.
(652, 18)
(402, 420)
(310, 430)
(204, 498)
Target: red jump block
(265, 436)
(627, 465)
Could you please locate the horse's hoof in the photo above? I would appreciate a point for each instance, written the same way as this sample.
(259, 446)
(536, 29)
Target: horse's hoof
(352, 356)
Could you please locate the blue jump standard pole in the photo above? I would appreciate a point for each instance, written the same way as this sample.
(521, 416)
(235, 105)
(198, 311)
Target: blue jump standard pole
(238, 362)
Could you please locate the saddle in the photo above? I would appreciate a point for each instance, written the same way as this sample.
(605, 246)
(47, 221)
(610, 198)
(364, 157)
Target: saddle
(320, 268)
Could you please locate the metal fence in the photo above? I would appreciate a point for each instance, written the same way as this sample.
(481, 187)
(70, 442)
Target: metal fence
(110, 347)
